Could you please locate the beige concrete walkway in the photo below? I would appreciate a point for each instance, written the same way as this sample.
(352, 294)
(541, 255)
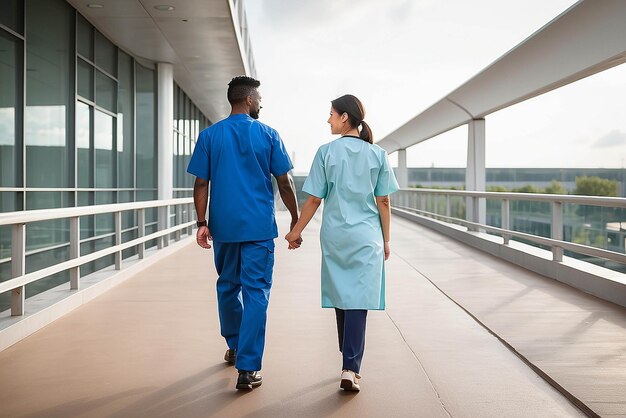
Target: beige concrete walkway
(151, 346)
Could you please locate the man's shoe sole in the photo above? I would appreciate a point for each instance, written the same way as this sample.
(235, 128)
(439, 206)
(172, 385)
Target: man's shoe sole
(248, 386)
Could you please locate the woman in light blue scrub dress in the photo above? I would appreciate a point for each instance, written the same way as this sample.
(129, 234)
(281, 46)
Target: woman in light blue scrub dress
(353, 177)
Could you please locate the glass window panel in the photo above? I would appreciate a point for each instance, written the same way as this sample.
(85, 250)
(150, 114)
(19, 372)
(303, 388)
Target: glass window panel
(106, 92)
(125, 119)
(129, 217)
(84, 37)
(49, 200)
(146, 134)
(41, 260)
(106, 54)
(105, 223)
(129, 236)
(103, 144)
(181, 110)
(5, 242)
(46, 234)
(86, 222)
(10, 50)
(85, 79)
(187, 116)
(10, 201)
(12, 15)
(83, 143)
(50, 56)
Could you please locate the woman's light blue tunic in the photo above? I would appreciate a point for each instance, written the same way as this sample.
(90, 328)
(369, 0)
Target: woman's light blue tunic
(348, 173)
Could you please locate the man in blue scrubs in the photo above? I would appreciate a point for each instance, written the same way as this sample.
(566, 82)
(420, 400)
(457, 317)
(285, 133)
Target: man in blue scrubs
(238, 156)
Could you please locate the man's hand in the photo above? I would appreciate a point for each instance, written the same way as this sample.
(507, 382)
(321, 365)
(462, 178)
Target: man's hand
(203, 236)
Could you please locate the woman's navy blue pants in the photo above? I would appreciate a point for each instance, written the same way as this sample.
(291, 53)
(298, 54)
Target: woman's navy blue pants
(351, 332)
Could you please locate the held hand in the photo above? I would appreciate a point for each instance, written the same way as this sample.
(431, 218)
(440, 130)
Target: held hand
(294, 239)
(387, 251)
(203, 236)
(293, 224)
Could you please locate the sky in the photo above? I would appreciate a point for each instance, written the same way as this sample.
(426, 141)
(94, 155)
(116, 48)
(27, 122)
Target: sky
(401, 56)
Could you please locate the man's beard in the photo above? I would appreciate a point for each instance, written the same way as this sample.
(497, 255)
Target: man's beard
(254, 114)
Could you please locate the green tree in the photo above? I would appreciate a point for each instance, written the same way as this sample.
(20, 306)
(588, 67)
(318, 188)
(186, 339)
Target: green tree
(529, 188)
(555, 188)
(595, 186)
(500, 189)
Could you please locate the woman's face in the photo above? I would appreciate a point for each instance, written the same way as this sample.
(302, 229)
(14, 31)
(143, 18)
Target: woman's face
(337, 122)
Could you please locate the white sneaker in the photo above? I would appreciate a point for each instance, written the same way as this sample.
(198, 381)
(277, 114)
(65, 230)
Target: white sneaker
(350, 380)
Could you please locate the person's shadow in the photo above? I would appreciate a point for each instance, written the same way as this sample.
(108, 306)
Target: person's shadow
(151, 403)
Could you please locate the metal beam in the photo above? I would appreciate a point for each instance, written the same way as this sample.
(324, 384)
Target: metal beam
(586, 39)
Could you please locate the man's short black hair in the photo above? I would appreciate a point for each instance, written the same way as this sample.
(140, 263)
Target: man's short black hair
(240, 87)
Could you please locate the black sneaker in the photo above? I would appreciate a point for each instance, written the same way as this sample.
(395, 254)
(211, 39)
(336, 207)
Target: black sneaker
(248, 380)
(230, 356)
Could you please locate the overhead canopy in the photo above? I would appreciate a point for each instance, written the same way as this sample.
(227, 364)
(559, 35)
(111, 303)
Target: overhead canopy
(203, 39)
(588, 38)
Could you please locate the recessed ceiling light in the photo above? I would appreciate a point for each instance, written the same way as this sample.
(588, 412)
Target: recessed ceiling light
(95, 5)
(164, 7)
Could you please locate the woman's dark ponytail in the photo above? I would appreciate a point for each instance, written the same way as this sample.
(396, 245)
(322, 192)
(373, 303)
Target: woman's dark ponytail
(352, 106)
(366, 133)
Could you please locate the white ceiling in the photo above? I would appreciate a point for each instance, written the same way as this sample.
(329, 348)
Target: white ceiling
(198, 37)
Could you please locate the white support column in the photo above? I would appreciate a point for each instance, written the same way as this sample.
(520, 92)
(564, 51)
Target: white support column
(165, 129)
(403, 174)
(475, 177)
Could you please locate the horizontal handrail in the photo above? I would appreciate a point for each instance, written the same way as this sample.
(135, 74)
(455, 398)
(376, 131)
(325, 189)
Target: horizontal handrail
(75, 262)
(616, 202)
(13, 218)
(578, 248)
(18, 220)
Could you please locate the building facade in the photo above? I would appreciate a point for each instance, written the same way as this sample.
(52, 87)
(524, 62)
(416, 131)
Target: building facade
(88, 117)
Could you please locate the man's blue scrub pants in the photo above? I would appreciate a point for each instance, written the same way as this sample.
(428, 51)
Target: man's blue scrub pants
(243, 293)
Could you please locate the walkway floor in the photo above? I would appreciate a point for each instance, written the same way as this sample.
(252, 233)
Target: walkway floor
(151, 346)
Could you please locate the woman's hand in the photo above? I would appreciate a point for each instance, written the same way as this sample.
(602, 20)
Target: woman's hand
(387, 251)
(294, 239)
(203, 236)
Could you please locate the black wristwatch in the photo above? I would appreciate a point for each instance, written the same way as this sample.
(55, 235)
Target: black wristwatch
(201, 223)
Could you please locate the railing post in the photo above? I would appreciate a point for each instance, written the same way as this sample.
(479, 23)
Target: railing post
(141, 226)
(18, 266)
(557, 230)
(505, 209)
(448, 206)
(118, 239)
(178, 221)
(75, 251)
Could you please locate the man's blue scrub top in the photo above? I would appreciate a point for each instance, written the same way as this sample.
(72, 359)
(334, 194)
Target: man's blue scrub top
(238, 155)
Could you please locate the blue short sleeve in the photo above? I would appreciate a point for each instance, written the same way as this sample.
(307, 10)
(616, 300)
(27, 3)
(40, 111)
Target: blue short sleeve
(280, 163)
(199, 165)
(316, 184)
(386, 182)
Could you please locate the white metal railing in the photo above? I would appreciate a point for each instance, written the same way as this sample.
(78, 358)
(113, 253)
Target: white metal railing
(414, 200)
(18, 220)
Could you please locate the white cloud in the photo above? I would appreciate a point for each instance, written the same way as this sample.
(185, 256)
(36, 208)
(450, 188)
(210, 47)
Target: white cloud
(612, 139)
